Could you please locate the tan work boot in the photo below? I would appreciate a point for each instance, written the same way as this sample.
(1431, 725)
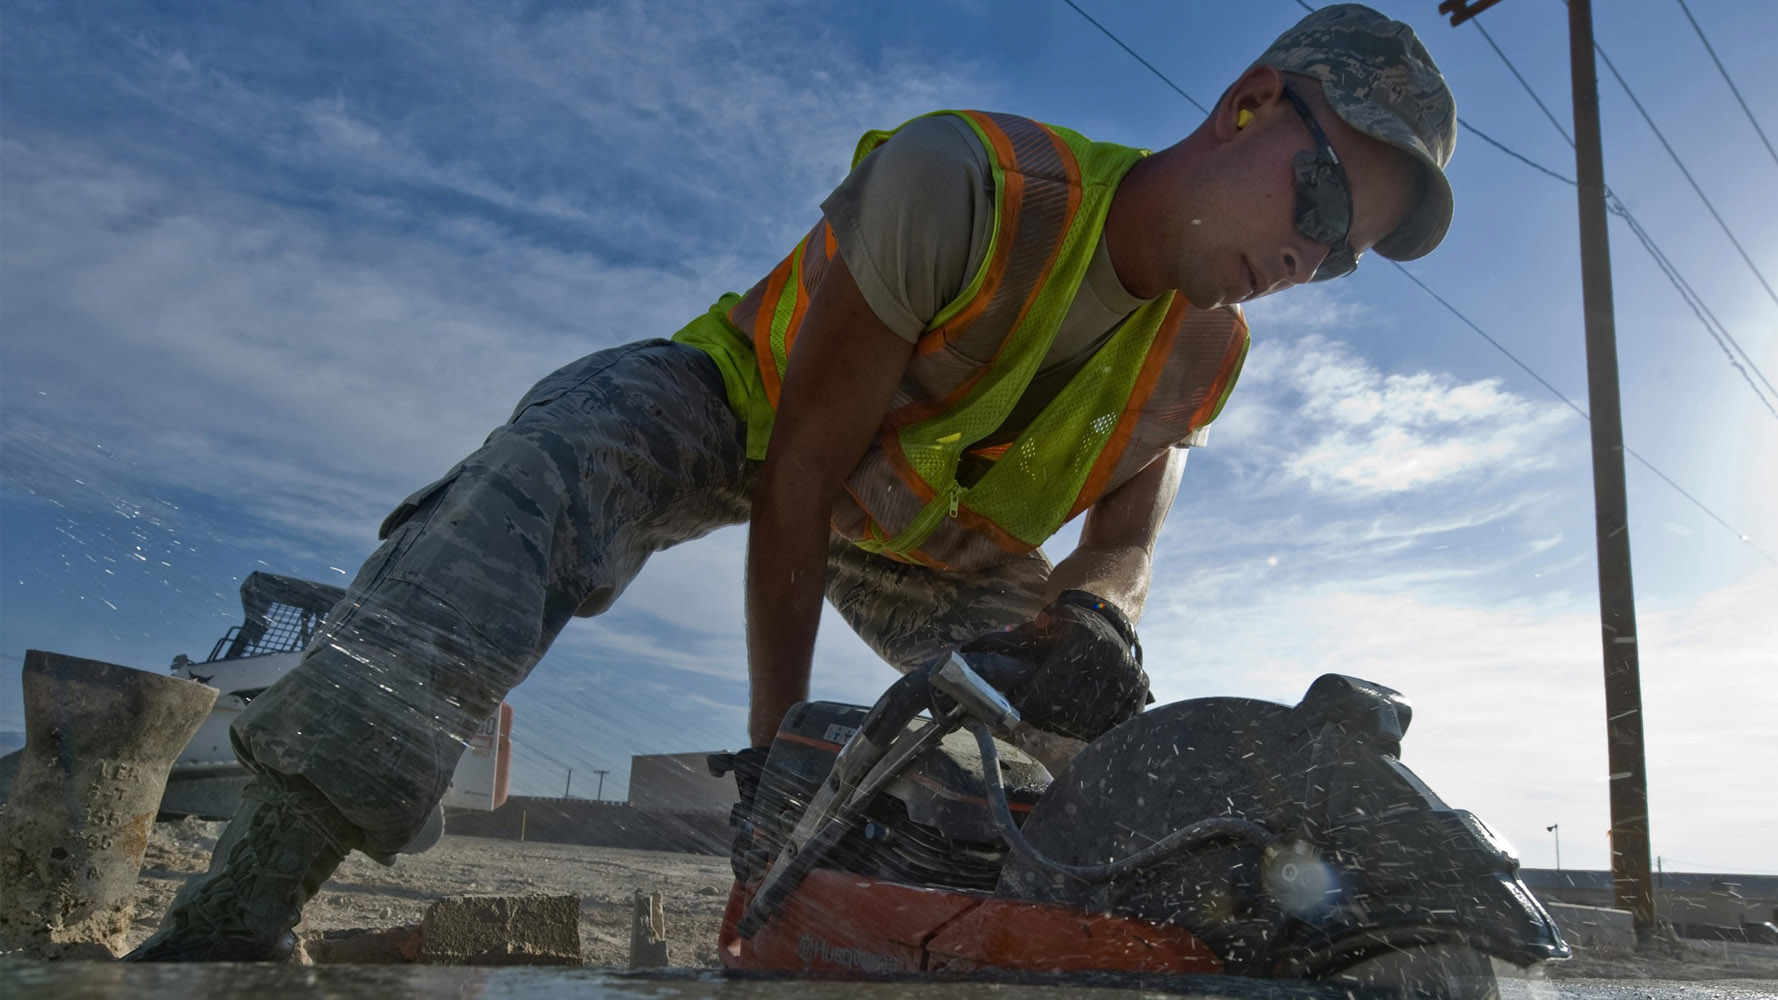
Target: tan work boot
(285, 840)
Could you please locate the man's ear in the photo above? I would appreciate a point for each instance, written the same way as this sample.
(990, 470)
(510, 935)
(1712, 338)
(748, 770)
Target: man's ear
(1257, 91)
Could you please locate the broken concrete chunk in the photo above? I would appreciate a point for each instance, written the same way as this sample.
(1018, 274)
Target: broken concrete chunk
(648, 932)
(99, 741)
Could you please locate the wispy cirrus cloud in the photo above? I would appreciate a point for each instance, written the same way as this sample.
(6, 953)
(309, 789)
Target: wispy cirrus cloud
(260, 281)
(320, 296)
(1353, 431)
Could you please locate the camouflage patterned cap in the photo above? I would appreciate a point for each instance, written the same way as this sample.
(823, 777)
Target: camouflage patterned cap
(1381, 81)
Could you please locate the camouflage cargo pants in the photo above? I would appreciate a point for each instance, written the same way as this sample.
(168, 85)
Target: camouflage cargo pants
(614, 457)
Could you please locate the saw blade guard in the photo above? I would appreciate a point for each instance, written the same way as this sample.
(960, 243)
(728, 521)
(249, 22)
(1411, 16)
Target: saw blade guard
(1363, 857)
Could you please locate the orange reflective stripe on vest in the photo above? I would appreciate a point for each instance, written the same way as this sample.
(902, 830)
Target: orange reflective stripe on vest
(1164, 372)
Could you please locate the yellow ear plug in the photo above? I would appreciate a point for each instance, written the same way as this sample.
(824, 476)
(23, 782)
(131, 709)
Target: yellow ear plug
(1243, 118)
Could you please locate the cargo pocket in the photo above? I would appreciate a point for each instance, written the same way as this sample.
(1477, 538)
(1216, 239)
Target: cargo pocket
(419, 498)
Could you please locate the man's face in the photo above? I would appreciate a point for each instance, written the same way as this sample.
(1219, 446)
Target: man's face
(1237, 222)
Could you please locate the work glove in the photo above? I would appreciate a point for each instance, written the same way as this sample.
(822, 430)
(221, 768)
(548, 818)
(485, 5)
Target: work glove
(1087, 666)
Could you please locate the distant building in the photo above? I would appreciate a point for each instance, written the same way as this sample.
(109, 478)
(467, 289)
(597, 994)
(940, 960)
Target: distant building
(679, 782)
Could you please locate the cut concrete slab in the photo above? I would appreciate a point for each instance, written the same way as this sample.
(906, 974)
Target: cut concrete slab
(502, 930)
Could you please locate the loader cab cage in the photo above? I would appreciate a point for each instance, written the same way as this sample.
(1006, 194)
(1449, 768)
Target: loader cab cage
(282, 614)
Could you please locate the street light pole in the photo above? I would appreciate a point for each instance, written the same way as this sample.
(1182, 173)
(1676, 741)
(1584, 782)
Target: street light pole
(1556, 828)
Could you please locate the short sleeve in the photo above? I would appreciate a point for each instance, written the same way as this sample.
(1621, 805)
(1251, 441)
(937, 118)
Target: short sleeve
(913, 219)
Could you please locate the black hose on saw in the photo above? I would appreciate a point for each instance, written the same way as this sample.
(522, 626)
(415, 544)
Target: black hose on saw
(1201, 832)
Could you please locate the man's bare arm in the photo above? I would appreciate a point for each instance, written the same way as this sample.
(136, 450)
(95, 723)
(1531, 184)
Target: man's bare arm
(842, 375)
(1116, 552)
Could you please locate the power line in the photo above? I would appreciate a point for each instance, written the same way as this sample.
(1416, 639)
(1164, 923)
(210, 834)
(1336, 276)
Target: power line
(1742, 537)
(1527, 369)
(1485, 137)
(1717, 331)
(1692, 299)
(1515, 154)
(1547, 113)
(1688, 175)
(1730, 81)
(1714, 327)
(1687, 293)
(1633, 453)
(1134, 55)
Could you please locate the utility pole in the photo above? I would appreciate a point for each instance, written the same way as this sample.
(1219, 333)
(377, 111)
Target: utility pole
(1632, 883)
(570, 783)
(600, 795)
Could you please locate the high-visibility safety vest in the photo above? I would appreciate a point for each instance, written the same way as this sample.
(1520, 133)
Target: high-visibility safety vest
(1165, 371)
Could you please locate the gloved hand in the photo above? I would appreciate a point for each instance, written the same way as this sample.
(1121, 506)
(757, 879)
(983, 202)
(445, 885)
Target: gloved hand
(1088, 674)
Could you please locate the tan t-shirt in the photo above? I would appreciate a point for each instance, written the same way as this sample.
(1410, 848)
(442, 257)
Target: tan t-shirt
(913, 220)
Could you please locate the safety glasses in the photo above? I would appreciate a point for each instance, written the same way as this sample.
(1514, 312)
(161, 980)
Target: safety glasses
(1323, 199)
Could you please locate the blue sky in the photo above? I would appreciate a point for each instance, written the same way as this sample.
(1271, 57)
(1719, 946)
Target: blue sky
(264, 269)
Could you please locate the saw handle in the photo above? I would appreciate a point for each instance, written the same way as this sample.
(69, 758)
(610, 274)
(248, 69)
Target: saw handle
(980, 697)
(897, 707)
(1006, 672)
(981, 681)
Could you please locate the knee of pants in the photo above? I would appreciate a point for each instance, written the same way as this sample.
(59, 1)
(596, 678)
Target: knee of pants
(475, 551)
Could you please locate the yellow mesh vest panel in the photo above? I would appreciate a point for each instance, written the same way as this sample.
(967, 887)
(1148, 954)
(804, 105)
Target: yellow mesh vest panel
(1050, 460)
(1029, 492)
(1031, 489)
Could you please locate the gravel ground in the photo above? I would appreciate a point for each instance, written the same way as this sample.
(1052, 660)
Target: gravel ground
(694, 889)
(363, 894)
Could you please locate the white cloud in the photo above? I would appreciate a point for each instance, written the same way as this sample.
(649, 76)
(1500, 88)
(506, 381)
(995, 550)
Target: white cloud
(610, 118)
(1509, 705)
(1318, 308)
(314, 365)
(1381, 433)
(1324, 433)
(1545, 544)
(265, 305)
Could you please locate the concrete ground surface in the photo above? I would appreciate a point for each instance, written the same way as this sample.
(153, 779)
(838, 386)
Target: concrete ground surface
(25, 980)
(694, 889)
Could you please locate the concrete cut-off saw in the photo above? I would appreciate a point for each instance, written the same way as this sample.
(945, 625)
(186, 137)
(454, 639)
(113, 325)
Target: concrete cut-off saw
(1211, 837)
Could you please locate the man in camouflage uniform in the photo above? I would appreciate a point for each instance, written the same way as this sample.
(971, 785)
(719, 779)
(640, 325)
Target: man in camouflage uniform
(640, 447)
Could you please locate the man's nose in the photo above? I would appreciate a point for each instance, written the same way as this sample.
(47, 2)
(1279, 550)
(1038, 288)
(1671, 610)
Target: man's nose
(1300, 262)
